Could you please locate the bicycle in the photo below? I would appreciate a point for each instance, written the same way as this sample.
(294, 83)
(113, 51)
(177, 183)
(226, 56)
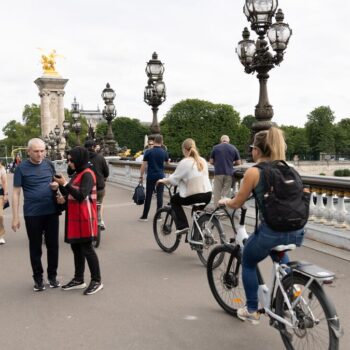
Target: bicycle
(97, 241)
(295, 300)
(205, 232)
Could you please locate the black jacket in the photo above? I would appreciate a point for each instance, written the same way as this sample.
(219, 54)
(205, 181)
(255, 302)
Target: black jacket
(100, 168)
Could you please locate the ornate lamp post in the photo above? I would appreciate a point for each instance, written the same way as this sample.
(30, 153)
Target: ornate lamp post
(47, 145)
(65, 133)
(57, 132)
(52, 144)
(109, 112)
(255, 56)
(154, 94)
(76, 116)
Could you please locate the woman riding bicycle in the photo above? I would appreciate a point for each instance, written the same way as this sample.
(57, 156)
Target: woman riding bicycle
(268, 145)
(192, 178)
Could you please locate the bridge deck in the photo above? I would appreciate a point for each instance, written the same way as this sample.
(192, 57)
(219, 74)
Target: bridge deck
(151, 300)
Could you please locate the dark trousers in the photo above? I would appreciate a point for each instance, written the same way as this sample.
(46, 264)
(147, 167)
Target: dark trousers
(177, 202)
(37, 226)
(150, 186)
(82, 251)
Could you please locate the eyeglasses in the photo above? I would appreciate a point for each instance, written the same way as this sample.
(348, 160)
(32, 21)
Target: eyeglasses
(253, 147)
(69, 160)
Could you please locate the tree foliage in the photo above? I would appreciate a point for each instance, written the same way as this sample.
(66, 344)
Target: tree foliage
(296, 142)
(320, 131)
(203, 121)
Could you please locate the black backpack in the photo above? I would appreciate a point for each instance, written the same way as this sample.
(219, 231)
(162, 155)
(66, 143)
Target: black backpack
(285, 205)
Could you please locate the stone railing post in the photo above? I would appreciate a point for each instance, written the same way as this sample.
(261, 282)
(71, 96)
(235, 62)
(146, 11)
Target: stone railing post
(341, 211)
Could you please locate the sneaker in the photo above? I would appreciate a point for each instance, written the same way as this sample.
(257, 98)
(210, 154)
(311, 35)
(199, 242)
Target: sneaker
(39, 286)
(245, 315)
(181, 231)
(93, 288)
(142, 219)
(73, 284)
(2, 241)
(53, 283)
(102, 225)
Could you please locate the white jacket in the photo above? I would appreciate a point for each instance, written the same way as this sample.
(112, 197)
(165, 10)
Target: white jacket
(189, 180)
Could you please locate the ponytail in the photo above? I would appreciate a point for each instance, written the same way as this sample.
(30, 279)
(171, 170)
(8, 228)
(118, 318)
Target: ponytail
(190, 146)
(271, 143)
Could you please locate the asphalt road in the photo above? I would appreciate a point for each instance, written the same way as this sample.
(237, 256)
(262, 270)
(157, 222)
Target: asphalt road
(151, 300)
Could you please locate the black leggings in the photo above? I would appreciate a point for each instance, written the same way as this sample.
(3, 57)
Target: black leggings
(82, 251)
(177, 202)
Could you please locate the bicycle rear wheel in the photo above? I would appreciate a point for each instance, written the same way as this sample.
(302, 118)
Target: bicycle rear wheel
(225, 280)
(213, 234)
(164, 230)
(318, 323)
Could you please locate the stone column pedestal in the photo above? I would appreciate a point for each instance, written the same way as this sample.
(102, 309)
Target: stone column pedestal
(51, 92)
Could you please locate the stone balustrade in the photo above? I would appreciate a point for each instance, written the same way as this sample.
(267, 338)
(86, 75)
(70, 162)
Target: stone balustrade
(329, 220)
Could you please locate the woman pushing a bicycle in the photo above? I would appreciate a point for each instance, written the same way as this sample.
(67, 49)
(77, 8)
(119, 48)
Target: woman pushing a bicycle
(268, 146)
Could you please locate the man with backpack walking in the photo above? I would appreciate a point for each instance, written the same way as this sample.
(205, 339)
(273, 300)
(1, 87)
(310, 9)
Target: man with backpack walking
(101, 170)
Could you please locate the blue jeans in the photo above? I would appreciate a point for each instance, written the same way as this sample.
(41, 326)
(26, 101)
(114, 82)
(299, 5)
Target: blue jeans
(256, 249)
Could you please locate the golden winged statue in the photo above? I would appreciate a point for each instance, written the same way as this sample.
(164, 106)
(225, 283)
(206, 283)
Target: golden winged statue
(48, 62)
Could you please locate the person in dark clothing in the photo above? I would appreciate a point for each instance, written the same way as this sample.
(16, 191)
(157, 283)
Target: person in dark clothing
(79, 195)
(153, 161)
(101, 170)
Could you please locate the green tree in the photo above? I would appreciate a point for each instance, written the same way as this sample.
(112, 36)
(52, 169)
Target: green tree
(203, 121)
(320, 131)
(296, 142)
(248, 121)
(342, 137)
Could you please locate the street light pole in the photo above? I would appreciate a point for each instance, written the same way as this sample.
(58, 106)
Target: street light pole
(76, 116)
(65, 132)
(57, 132)
(109, 112)
(255, 56)
(155, 94)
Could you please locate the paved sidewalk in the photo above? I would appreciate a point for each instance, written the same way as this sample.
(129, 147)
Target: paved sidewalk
(151, 300)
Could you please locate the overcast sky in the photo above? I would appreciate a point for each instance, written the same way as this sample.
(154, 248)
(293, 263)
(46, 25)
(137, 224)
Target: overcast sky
(111, 41)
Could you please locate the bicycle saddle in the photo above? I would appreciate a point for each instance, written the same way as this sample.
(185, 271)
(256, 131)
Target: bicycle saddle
(283, 248)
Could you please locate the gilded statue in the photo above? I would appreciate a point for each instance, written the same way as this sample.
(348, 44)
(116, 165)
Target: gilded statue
(49, 62)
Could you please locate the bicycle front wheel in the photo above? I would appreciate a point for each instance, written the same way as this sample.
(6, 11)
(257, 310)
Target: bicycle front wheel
(225, 280)
(317, 318)
(97, 241)
(164, 230)
(212, 234)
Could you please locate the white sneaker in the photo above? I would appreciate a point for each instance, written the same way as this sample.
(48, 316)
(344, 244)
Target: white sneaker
(245, 315)
(2, 241)
(181, 231)
(142, 219)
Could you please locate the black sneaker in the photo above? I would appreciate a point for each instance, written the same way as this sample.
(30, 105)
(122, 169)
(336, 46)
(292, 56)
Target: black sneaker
(53, 283)
(39, 286)
(93, 288)
(73, 284)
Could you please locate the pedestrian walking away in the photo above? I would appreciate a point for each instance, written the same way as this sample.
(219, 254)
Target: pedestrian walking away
(192, 178)
(101, 170)
(80, 199)
(153, 160)
(223, 156)
(40, 210)
(3, 200)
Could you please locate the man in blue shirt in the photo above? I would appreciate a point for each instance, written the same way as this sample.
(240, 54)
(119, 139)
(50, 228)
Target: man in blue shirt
(224, 156)
(153, 159)
(34, 175)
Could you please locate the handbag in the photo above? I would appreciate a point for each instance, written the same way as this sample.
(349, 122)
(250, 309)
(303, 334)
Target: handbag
(139, 194)
(6, 204)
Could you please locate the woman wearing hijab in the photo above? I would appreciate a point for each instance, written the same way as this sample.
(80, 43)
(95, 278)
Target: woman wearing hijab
(79, 195)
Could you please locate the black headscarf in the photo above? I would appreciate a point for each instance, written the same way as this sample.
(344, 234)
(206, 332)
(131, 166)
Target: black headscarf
(80, 157)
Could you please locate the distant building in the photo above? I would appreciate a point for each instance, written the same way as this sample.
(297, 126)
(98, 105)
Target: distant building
(93, 117)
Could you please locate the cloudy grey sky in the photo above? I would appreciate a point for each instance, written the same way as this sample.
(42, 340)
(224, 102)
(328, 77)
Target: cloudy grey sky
(111, 41)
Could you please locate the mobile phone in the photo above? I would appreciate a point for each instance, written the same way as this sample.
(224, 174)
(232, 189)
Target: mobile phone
(58, 176)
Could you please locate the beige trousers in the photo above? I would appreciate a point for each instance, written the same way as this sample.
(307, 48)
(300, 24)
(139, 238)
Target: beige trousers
(2, 228)
(222, 187)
